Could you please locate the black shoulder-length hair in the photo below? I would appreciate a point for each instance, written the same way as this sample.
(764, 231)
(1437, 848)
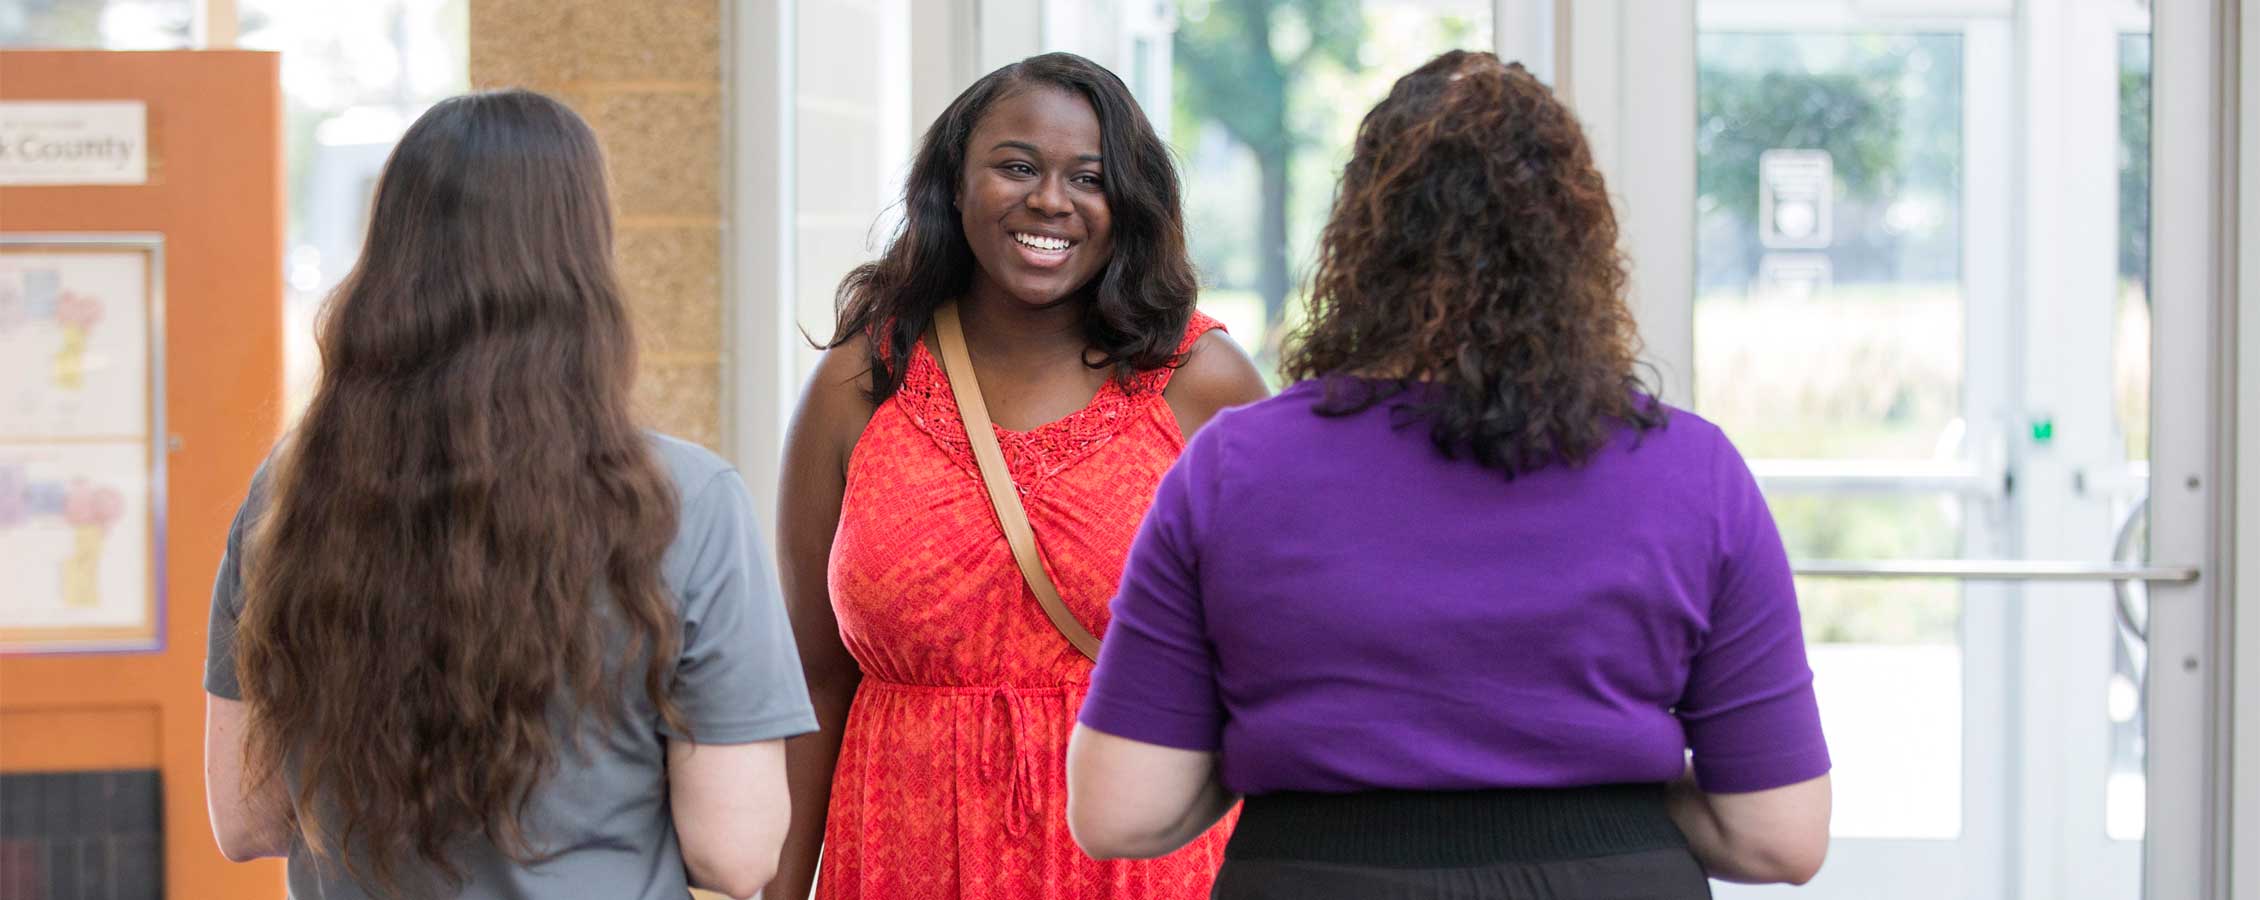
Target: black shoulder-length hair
(1134, 312)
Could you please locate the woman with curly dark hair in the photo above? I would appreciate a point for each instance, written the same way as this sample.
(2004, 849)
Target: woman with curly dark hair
(1006, 386)
(1452, 610)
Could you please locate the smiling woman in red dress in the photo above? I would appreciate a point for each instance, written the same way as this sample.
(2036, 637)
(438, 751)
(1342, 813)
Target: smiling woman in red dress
(1044, 207)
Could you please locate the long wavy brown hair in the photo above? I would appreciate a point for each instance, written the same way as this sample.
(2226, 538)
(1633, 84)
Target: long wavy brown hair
(467, 518)
(1472, 246)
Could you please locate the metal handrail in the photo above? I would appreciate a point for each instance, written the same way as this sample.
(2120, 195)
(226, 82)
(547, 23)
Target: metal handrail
(1872, 476)
(1917, 476)
(1995, 570)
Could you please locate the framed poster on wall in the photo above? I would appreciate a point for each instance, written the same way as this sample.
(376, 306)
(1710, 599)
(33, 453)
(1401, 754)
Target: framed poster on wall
(82, 442)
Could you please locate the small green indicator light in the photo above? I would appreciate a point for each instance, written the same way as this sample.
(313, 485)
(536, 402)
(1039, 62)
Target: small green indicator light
(2043, 430)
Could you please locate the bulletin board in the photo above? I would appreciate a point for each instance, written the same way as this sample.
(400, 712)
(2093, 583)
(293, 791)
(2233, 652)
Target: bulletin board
(150, 453)
(82, 419)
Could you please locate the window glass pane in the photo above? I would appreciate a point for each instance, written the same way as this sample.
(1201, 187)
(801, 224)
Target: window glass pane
(1874, 527)
(1887, 659)
(2131, 369)
(1829, 307)
(2125, 788)
(354, 75)
(1262, 134)
(1893, 716)
(1829, 324)
(97, 24)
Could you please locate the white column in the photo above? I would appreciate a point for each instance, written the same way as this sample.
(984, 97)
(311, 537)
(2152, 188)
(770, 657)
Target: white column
(1527, 31)
(1590, 79)
(1011, 30)
(944, 56)
(826, 102)
(851, 150)
(757, 287)
(1644, 142)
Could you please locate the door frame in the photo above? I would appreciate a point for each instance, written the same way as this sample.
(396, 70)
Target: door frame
(1609, 50)
(2193, 286)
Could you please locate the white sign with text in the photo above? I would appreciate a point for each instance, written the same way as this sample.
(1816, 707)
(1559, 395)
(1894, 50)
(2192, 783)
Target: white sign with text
(81, 142)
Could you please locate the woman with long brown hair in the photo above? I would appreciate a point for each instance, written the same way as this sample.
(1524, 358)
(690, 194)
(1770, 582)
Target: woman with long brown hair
(1452, 611)
(477, 634)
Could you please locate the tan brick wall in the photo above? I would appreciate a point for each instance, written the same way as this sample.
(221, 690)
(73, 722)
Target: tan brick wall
(647, 76)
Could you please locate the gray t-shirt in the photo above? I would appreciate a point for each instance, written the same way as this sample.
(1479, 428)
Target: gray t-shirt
(604, 813)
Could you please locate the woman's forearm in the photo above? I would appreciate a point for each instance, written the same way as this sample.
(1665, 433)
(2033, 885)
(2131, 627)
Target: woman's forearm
(1691, 810)
(1750, 846)
(809, 762)
(1213, 803)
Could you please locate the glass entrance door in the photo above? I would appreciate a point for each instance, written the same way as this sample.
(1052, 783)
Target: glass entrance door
(1835, 303)
(1919, 300)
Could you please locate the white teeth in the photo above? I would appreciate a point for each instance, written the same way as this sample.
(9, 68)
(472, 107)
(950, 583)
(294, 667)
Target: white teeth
(1040, 242)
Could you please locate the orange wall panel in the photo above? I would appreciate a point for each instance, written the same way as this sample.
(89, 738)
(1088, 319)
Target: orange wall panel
(78, 738)
(215, 193)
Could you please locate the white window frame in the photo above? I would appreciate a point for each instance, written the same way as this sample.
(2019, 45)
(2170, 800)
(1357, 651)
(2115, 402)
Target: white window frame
(2193, 287)
(2243, 422)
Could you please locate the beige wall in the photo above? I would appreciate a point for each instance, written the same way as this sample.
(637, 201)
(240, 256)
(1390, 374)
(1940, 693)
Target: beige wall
(648, 77)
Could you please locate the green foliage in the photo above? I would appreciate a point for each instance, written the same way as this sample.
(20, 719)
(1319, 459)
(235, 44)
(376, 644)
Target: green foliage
(1887, 108)
(2134, 158)
(1745, 114)
(1236, 64)
(57, 23)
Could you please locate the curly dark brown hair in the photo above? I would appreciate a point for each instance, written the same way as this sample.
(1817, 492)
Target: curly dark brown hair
(1472, 246)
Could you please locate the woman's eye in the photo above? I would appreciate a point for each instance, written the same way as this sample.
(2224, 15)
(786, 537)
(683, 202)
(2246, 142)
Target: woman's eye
(1089, 180)
(1020, 168)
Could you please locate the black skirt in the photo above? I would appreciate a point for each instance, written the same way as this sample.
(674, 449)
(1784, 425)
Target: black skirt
(1611, 842)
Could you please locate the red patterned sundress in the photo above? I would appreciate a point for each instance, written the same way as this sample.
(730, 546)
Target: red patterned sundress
(952, 774)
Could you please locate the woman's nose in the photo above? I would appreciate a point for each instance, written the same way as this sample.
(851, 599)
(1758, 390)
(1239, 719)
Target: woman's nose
(1049, 197)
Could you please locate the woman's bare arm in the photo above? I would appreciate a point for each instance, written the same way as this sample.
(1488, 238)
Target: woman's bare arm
(1761, 837)
(1217, 374)
(832, 413)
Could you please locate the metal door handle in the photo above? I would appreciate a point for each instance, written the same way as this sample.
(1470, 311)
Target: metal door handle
(1994, 570)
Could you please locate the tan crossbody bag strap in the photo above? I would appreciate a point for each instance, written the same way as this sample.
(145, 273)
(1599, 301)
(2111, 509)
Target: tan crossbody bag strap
(958, 365)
